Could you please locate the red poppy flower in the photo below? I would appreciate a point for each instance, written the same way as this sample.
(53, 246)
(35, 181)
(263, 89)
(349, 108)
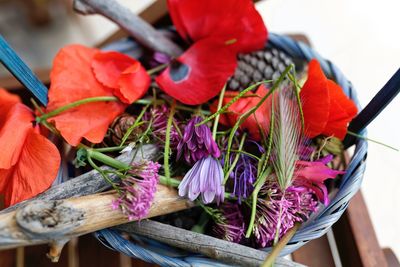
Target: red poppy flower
(219, 30)
(80, 72)
(327, 110)
(28, 162)
(258, 121)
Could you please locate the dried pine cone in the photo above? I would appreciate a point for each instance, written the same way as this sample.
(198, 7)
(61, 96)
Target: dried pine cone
(119, 127)
(266, 64)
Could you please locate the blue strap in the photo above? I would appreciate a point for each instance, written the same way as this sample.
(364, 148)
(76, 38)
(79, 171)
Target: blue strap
(21, 71)
(374, 107)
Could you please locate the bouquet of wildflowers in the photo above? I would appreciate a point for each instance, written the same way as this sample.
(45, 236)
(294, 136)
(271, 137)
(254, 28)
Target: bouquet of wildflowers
(256, 160)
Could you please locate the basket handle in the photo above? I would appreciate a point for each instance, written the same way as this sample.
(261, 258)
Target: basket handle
(374, 107)
(17, 67)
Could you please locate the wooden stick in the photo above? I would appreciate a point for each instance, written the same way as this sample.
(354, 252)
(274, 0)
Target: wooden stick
(54, 221)
(90, 182)
(142, 31)
(225, 251)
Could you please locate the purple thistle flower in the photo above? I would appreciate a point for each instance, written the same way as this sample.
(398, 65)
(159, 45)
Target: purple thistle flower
(205, 178)
(294, 205)
(137, 190)
(197, 142)
(158, 59)
(160, 114)
(244, 176)
(231, 225)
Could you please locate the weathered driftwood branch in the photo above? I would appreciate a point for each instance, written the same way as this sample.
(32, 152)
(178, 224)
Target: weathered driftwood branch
(90, 182)
(142, 31)
(50, 221)
(212, 247)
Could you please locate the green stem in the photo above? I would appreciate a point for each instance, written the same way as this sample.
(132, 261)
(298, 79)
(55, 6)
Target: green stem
(102, 173)
(157, 69)
(244, 116)
(170, 181)
(107, 160)
(134, 125)
(75, 104)
(371, 140)
(230, 103)
(220, 100)
(257, 189)
(236, 159)
(167, 142)
(109, 149)
(269, 261)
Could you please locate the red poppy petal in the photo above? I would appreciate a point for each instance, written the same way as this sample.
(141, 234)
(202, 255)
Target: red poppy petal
(132, 83)
(173, 8)
(72, 79)
(260, 118)
(89, 121)
(17, 125)
(34, 172)
(342, 111)
(7, 101)
(315, 100)
(199, 74)
(108, 67)
(227, 20)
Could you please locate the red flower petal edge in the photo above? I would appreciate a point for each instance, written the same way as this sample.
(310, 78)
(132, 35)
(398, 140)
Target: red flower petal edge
(327, 110)
(72, 79)
(199, 74)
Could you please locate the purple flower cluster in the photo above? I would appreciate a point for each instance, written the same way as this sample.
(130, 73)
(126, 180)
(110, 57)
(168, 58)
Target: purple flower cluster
(137, 190)
(197, 142)
(205, 178)
(159, 116)
(294, 205)
(231, 226)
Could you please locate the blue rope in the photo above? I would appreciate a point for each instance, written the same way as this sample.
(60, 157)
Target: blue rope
(313, 228)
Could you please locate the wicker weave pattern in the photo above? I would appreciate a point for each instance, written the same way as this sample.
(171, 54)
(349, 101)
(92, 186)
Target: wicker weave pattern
(313, 228)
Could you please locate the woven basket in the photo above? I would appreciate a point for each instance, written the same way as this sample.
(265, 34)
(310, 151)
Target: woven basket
(315, 227)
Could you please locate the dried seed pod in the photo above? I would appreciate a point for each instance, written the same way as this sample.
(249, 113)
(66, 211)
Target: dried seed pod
(119, 127)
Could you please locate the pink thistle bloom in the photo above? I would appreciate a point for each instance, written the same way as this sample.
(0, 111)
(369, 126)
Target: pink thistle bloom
(313, 174)
(137, 190)
(205, 178)
(231, 226)
(295, 204)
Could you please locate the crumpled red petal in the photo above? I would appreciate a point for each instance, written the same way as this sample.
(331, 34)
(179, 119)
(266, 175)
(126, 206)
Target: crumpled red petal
(227, 20)
(315, 100)
(7, 101)
(124, 74)
(260, 120)
(133, 83)
(342, 111)
(72, 79)
(17, 125)
(199, 74)
(34, 172)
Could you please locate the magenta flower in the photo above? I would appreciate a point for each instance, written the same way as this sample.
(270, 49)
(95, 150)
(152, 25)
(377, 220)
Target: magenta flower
(295, 204)
(137, 190)
(205, 178)
(313, 174)
(231, 226)
(197, 142)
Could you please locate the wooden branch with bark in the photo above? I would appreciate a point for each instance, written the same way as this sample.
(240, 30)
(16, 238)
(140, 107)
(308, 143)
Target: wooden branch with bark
(139, 29)
(49, 221)
(225, 251)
